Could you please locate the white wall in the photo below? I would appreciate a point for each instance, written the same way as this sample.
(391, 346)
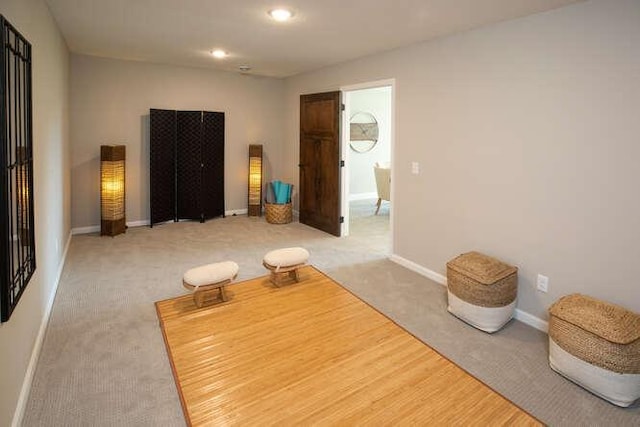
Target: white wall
(51, 194)
(527, 136)
(110, 102)
(376, 101)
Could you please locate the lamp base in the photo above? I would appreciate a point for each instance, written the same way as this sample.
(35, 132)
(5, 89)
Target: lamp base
(113, 227)
(254, 210)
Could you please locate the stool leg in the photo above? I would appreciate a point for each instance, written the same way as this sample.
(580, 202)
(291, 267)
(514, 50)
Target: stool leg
(223, 294)
(197, 298)
(292, 275)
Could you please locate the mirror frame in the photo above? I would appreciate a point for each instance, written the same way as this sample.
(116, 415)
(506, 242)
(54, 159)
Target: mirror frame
(363, 132)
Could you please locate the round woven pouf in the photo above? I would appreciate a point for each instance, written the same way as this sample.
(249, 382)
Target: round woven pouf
(596, 345)
(481, 290)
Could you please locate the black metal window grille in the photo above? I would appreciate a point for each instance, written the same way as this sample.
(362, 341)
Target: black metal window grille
(17, 242)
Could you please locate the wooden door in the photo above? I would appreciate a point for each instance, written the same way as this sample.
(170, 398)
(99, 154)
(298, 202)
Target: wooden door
(320, 161)
(162, 163)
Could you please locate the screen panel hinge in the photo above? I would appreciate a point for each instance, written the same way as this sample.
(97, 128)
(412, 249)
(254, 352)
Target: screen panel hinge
(342, 107)
(341, 220)
(341, 163)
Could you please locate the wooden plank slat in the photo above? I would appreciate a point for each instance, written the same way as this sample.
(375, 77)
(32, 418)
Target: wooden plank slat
(313, 353)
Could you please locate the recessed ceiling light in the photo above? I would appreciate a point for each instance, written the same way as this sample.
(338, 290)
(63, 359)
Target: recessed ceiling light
(218, 53)
(281, 15)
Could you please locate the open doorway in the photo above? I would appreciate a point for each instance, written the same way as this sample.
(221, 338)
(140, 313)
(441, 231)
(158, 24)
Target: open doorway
(367, 148)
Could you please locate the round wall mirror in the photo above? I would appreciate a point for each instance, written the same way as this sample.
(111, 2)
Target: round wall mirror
(363, 132)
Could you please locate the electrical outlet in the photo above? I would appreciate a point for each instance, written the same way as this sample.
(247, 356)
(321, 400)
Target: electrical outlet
(542, 283)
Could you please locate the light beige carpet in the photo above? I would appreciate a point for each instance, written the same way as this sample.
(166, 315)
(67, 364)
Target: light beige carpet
(103, 362)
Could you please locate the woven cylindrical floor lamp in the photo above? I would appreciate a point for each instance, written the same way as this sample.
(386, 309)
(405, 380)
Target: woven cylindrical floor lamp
(112, 194)
(255, 180)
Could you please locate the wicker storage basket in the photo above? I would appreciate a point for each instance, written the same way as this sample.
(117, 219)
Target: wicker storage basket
(482, 280)
(597, 332)
(278, 213)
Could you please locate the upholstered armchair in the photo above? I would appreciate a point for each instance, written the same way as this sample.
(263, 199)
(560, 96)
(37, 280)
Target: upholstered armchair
(383, 182)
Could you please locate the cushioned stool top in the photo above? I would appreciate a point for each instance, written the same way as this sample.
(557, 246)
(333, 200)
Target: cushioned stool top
(611, 322)
(286, 257)
(210, 273)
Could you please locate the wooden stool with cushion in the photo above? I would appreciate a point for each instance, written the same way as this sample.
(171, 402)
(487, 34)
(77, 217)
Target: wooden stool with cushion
(207, 280)
(284, 264)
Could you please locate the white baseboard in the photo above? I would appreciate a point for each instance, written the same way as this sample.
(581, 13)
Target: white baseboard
(236, 212)
(85, 230)
(141, 223)
(520, 315)
(137, 223)
(96, 228)
(531, 320)
(362, 196)
(18, 415)
(424, 271)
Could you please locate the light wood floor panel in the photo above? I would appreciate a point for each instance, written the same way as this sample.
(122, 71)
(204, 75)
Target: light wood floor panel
(313, 353)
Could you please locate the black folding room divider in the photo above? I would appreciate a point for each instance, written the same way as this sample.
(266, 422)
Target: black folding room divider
(186, 165)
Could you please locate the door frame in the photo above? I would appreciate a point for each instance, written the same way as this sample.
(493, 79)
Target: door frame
(345, 152)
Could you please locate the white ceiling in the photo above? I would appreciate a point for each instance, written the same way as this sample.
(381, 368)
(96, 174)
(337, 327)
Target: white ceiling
(322, 32)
